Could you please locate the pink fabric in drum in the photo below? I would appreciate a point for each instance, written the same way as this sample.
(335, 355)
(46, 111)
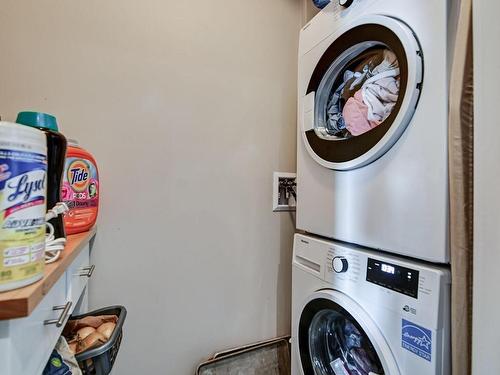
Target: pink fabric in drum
(355, 114)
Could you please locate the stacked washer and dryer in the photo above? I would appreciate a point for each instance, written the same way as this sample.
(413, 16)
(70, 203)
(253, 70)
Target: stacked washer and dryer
(371, 281)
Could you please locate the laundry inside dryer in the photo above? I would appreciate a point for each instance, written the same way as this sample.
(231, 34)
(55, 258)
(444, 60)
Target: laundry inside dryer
(358, 92)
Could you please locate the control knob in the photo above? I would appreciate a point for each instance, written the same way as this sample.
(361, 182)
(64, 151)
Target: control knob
(345, 3)
(340, 264)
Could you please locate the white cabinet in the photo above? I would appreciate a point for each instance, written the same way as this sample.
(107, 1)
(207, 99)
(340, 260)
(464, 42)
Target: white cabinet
(77, 276)
(26, 343)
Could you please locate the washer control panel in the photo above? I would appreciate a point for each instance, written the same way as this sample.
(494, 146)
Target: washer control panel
(393, 276)
(372, 278)
(342, 265)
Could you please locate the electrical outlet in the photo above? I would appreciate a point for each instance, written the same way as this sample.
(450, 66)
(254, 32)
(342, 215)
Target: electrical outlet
(284, 191)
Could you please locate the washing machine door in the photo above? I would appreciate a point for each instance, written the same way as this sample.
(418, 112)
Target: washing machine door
(362, 93)
(337, 337)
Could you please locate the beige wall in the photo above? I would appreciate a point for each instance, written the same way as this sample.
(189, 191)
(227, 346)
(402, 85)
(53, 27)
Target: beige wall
(308, 11)
(188, 106)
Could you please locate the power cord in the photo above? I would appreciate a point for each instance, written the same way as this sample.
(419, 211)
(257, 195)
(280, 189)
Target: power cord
(54, 246)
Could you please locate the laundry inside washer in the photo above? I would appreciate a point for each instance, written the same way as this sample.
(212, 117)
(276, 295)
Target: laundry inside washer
(338, 345)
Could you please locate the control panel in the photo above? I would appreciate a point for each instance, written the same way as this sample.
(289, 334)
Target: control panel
(391, 276)
(406, 287)
(343, 265)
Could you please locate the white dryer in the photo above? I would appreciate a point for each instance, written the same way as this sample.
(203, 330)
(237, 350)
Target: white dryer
(359, 312)
(372, 125)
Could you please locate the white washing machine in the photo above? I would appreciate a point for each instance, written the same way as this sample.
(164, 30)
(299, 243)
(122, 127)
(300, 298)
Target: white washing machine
(372, 125)
(359, 312)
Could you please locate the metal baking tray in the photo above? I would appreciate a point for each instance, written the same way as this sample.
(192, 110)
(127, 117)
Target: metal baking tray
(271, 357)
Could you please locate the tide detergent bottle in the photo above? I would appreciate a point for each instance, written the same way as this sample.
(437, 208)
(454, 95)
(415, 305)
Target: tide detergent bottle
(80, 189)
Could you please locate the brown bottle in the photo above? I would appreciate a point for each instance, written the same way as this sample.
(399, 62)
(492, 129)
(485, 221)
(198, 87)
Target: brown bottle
(56, 155)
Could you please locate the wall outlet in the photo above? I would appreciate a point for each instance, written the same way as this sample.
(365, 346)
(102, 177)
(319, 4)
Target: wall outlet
(284, 191)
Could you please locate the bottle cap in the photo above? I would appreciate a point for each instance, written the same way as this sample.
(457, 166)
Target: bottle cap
(37, 120)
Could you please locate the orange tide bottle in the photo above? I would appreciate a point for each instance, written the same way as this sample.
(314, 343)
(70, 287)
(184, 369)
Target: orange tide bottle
(80, 189)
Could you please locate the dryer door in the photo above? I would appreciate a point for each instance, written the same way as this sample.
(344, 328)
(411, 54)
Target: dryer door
(362, 93)
(335, 336)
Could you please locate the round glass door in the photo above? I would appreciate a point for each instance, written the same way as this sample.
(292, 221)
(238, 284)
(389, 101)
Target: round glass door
(336, 337)
(337, 345)
(356, 96)
(362, 93)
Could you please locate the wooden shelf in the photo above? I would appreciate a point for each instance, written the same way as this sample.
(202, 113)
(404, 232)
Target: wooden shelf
(21, 302)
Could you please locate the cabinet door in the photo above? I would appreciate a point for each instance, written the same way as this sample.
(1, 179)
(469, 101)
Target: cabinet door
(28, 342)
(77, 276)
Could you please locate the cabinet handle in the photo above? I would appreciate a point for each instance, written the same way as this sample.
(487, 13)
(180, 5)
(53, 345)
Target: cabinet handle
(89, 269)
(65, 311)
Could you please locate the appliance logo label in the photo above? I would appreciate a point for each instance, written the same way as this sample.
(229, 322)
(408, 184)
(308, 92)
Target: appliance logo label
(416, 339)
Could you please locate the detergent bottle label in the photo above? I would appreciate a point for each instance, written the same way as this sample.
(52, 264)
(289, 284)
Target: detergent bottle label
(22, 214)
(80, 191)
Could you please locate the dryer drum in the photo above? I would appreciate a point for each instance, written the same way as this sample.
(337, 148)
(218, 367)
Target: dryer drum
(345, 53)
(331, 341)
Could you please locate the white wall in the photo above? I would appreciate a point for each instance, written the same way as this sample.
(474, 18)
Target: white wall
(188, 106)
(486, 337)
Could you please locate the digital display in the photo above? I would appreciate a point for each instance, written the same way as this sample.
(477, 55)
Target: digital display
(391, 276)
(387, 268)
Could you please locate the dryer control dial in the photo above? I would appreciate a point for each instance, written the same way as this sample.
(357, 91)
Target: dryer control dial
(345, 3)
(340, 264)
